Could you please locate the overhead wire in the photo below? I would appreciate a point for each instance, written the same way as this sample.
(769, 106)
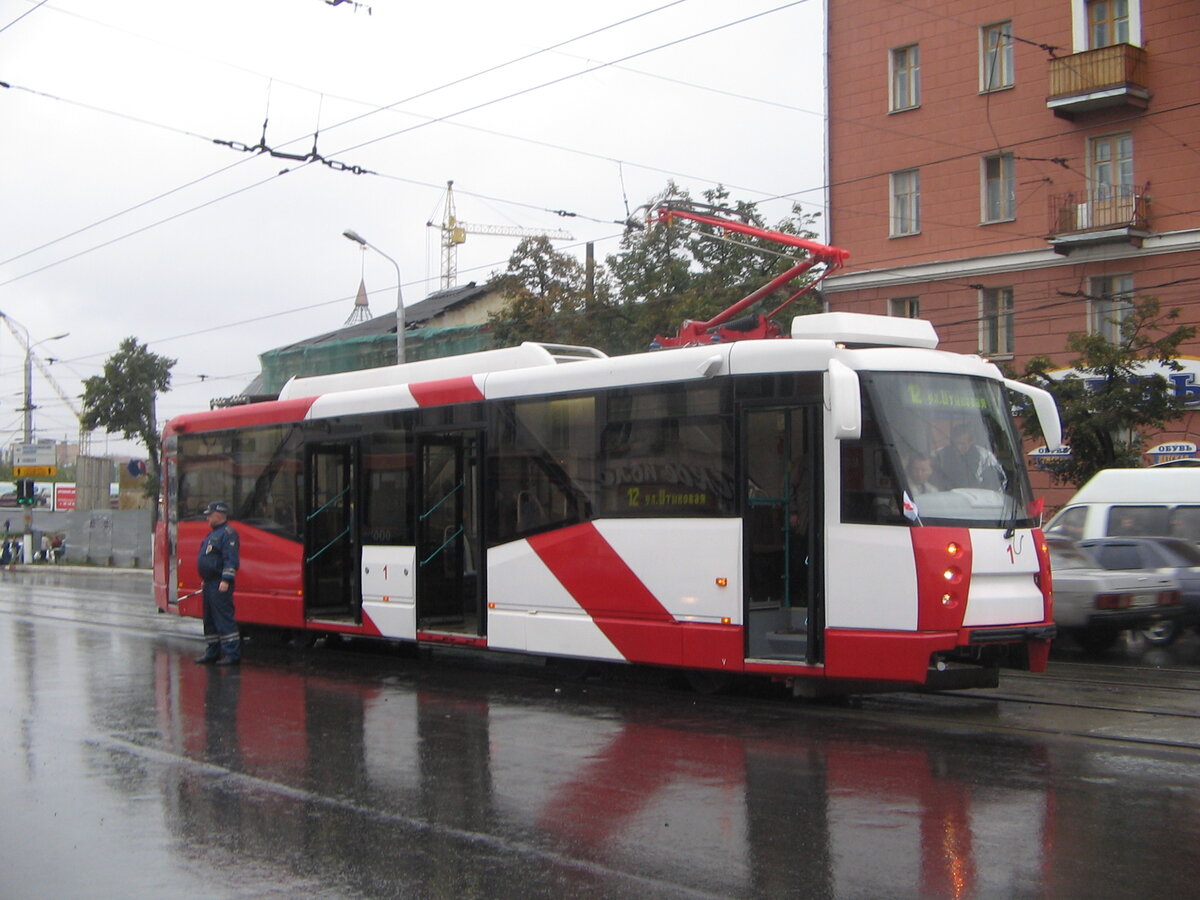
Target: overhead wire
(427, 121)
(498, 199)
(27, 12)
(793, 195)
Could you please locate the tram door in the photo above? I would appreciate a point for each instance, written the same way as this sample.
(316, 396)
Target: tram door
(449, 545)
(330, 535)
(782, 527)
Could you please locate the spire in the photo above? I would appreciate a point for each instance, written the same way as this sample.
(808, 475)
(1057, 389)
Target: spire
(362, 309)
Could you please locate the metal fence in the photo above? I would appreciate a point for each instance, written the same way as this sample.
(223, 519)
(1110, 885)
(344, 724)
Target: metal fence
(116, 537)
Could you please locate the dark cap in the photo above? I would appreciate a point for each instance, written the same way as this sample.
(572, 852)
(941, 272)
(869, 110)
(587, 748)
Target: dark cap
(217, 506)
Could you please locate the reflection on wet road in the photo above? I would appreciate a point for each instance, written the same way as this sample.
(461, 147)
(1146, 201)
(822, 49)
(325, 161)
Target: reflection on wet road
(129, 770)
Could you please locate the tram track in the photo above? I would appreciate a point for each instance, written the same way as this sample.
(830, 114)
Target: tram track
(1144, 712)
(1154, 678)
(1072, 700)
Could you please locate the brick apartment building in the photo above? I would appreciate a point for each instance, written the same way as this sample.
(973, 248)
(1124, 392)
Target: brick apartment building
(1016, 171)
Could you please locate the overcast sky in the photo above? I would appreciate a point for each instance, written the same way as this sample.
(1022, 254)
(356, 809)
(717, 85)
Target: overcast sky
(122, 216)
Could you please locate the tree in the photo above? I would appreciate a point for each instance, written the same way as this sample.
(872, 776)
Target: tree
(659, 277)
(122, 399)
(546, 296)
(1108, 401)
(665, 275)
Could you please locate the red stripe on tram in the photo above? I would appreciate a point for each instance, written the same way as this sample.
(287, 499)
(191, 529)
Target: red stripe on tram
(446, 391)
(610, 592)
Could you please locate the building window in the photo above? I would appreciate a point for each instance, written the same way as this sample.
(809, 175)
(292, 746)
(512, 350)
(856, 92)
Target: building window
(1100, 23)
(1110, 165)
(906, 203)
(906, 78)
(905, 307)
(1108, 23)
(1111, 194)
(996, 321)
(996, 58)
(1110, 304)
(999, 193)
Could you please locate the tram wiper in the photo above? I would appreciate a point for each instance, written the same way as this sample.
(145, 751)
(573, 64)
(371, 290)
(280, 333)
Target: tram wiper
(1011, 518)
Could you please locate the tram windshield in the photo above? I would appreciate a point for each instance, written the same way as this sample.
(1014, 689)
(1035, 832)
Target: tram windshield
(951, 444)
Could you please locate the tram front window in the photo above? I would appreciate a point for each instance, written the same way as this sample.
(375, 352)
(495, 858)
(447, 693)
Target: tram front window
(951, 441)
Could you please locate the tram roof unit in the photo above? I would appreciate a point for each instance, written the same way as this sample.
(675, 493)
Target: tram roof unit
(862, 341)
(858, 340)
(527, 355)
(862, 330)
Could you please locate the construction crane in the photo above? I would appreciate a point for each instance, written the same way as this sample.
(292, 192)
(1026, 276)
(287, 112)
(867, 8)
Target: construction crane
(454, 232)
(85, 436)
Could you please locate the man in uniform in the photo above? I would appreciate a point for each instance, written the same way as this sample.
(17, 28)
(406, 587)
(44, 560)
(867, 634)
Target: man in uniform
(218, 565)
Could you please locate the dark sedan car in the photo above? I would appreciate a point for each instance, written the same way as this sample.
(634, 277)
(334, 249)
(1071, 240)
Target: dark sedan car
(1175, 557)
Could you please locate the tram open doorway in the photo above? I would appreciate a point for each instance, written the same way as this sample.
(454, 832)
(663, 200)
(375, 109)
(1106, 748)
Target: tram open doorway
(449, 541)
(782, 529)
(331, 551)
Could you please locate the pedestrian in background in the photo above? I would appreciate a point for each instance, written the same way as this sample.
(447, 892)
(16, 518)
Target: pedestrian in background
(218, 565)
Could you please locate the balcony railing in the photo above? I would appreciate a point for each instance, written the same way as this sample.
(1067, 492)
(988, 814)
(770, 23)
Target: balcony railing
(1096, 79)
(1106, 214)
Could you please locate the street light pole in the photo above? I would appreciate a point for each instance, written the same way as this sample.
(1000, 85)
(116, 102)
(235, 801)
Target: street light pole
(28, 423)
(359, 239)
(27, 535)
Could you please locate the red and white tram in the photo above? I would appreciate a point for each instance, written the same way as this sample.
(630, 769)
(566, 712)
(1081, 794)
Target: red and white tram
(740, 507)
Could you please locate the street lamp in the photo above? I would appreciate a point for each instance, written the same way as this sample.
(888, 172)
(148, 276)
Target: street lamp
(29, 378)
(353, 235)
(27, 541)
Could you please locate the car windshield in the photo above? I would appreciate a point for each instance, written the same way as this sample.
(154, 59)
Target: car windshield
(953, 445)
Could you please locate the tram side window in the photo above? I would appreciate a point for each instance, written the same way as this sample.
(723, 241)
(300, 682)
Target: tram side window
(205, 472)
(267, 475)
(387, 463)
(667, 451)
(870, 492)
(257, 471)
(543, 466)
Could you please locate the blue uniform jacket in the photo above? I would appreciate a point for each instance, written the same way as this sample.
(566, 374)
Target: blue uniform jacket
(219, 554)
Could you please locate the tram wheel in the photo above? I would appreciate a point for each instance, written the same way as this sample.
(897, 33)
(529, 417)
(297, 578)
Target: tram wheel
(303, 640)
(704, 682)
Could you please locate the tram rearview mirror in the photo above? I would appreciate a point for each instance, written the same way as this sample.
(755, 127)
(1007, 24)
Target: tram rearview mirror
(843, 401)
(1044, 408)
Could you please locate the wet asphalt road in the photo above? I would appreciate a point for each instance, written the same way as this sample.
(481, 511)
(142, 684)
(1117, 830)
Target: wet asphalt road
(130, 771)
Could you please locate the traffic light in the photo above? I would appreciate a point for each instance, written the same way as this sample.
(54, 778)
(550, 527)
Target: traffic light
(25, 492)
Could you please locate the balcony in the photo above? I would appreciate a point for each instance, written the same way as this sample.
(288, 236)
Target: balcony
(1108, 215)
(1098, 79)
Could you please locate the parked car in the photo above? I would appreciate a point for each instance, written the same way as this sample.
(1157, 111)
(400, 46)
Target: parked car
(1173, 557)
(9, 499)
(1094, 605)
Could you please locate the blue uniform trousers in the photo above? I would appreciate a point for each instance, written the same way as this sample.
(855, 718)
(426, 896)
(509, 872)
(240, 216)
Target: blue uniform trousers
(220, 628)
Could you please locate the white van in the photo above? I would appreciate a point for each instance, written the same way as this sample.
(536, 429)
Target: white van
(1154, 501)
